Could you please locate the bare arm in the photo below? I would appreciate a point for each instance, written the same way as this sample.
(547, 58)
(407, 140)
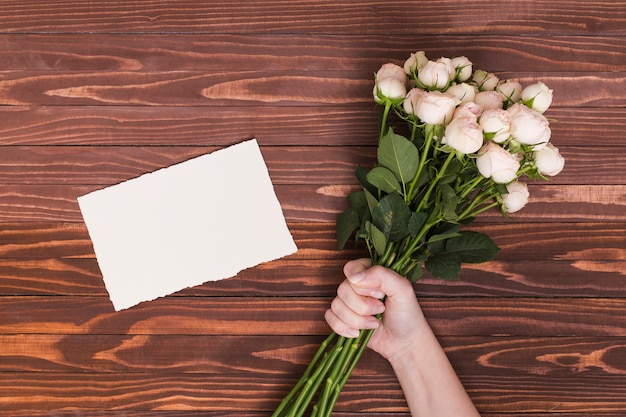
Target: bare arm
(403, 336)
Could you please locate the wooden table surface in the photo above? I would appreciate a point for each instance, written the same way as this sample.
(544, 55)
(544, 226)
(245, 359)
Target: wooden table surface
(94, 93)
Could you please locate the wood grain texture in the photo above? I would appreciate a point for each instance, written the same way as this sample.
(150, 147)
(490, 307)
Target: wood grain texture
(352, 16)
(95, 93)
(264, 88)
(187, 126)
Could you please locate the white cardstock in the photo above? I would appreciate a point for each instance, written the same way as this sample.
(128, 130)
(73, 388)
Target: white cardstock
(201, 220)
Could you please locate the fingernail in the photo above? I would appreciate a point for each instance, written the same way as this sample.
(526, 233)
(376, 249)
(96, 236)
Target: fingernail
(352, 333)
(379, 309)
(377, 294)
(372, 324)
(356, 277)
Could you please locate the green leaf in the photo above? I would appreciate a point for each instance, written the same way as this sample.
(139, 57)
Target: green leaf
(415, 274)
(381, 177)
(444, 265)
(452, 172)
(357, 200)
(472, 247)
(449, 203)
(372, 202)
(377, 238)
(361, 176)
(416, 223)
(347, 222)
(392, 216)
(400, 155)
(443, 236)
(437, 238)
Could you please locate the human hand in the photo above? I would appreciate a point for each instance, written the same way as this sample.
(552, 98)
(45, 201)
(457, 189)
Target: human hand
(359, 300)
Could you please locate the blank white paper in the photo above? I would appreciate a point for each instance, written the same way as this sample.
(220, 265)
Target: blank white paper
(202, 220)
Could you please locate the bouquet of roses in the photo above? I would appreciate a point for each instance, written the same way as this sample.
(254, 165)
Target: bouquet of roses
(453, 143)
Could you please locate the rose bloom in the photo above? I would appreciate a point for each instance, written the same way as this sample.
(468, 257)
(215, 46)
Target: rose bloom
(390, 88)
(410, 100)
(516, 197)
(537, 96)
(511, 91)
(391, 71)
(463, 68)
(463, 92)
(497, 163)
(436, 74)
(415, 62)
(463, 134)
(489, 99)
(549, 161)
(486, 81)
(469, 110)
(496, 122)
(435, 107)
(529, 127)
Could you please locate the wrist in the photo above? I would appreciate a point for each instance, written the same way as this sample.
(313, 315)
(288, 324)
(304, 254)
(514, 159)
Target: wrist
(414, 349)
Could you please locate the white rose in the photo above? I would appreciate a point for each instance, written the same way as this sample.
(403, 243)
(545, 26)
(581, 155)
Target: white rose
(497, 123)
(549, 161)
(435, 107)
(410, 100)
(537, 96)
(469, 110)
(497, 163)
(436, 74)
(464, 135)
(389, 88)
(486, 81)
(463, 68)
(511, 91)
(415, 62)
(463, 92)
(516, 197)
(529, 127)
(391, 71)
(489, 99)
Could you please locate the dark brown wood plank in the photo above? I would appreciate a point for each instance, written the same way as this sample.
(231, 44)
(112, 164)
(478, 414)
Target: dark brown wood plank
(222, 126)
(275, 88)
(297, 277)
(194, 413)
(284, 356)
(322, 203)
(586, 245)
(323, 165)
(223, 51)
(459, 316)
(351, 16)
(142, 392)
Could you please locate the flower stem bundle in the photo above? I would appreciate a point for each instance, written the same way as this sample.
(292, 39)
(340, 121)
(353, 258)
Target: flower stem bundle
(453, 143)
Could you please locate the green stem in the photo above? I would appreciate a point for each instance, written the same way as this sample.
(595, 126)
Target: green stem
(478, 200)
(305, 375)
(434, 182)
(406, 254)
(312, 384)
(387, 256)
(383, 123)
(430, 134)
(332, 379)
(478, 211)
(364, 337)
(413, 129)
(468, 188)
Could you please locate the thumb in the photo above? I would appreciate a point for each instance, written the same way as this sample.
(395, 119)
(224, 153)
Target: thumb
(376, 281)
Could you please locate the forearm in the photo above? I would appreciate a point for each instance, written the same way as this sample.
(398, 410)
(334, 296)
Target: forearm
(429, 382)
